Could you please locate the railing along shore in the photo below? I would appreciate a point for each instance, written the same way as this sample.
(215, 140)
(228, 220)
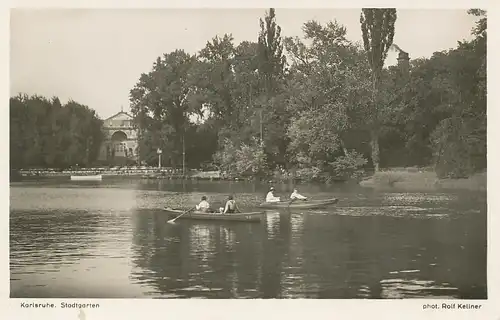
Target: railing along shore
(153, 173)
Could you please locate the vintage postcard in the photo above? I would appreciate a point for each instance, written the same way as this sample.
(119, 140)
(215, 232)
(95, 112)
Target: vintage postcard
(240, 156)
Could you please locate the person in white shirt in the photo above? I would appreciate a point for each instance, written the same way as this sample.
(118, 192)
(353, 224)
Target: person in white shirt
(203, 206)
(296, 195)
(270, 196)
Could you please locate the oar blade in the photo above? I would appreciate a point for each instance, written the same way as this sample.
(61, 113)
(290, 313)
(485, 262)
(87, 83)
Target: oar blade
(172, 221)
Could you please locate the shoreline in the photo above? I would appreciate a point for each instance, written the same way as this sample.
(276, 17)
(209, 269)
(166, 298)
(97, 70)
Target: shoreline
(42, 174)
(409, 179)
(423, 180)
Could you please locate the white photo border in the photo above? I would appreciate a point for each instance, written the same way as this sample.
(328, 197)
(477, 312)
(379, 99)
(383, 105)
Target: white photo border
(272, 308)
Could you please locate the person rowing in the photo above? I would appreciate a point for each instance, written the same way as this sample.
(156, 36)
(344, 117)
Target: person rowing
(231, 206)
(203, 206)
(270, 196)
(297, 196)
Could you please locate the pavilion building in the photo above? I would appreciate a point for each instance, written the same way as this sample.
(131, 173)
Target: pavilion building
(120, 145)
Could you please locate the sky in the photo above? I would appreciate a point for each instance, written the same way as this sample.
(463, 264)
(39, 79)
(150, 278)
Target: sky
(95, 56)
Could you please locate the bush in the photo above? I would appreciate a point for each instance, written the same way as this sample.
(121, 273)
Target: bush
(308, 174)
(251, 160)
(244, 160)
(459, 147)
(348, 166)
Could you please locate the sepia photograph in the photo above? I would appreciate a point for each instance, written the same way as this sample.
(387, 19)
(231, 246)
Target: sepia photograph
(251, 153)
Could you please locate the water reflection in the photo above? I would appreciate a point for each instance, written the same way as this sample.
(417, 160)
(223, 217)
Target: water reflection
(195, 259)
(113, 241)
(68, 254)
(51, 237)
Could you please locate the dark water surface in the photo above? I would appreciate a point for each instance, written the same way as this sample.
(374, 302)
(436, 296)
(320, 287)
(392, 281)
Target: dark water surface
(111, 240)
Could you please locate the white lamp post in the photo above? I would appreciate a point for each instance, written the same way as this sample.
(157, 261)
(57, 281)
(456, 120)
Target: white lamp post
(158, 151)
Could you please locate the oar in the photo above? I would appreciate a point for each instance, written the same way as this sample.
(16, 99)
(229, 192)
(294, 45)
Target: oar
(173, 220)
(289, 203)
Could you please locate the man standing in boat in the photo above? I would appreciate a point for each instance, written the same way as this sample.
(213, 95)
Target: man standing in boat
(231, 206)
(297, 196)
(270, 196)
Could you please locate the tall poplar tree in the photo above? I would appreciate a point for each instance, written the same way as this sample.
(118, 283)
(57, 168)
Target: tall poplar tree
(377, 26)
(271, 68)
(272, 61)
(270, 55)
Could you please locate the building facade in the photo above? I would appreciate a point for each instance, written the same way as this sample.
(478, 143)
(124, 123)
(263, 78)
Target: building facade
(120, 145)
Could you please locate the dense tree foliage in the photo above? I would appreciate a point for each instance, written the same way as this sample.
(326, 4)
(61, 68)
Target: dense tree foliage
(325, 99)
(162, 102)
(45, 133)
(327, 110)
(458, 94)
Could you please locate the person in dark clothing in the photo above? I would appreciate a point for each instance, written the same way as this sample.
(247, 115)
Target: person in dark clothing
(231, 206)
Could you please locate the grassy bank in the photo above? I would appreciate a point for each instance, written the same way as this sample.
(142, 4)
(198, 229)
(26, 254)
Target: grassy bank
(475, 182)
(422, 179)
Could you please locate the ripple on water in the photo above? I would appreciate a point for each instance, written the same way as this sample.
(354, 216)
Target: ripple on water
(417, 198)
(199, 288)
(160, 295)
(397, 288)
(404, 271)
(391, 211)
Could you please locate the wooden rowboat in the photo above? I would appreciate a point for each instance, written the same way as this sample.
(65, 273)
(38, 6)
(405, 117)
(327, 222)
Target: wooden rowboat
(299, 204)
(196, 215)
(97, 177)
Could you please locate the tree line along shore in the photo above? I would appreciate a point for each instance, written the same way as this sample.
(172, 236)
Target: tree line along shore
(315, 107)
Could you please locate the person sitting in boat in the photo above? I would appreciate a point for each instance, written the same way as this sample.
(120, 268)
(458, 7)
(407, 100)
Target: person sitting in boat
(297, 196)
(203, 206)
(270, 196)
(231, 206)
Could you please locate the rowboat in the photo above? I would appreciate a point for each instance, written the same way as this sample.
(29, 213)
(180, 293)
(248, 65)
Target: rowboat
(97, 177)
(299, 204)
(196, 215)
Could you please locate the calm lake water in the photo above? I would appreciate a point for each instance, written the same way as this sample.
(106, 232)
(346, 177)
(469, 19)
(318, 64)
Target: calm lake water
(110, 240)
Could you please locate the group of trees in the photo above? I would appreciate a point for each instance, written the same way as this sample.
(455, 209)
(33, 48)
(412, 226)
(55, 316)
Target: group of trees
(319, 106)
(46, 134)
